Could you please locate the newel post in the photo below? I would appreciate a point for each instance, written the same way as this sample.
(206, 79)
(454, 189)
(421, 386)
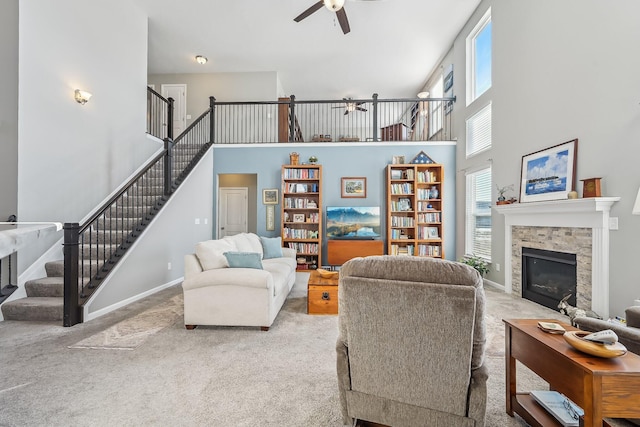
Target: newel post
(170, 119)
(168, 165)
(212, 112)
(375, 116)
(292, 118)
(71, 311)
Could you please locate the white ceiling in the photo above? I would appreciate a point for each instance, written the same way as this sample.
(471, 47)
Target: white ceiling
(392, 47)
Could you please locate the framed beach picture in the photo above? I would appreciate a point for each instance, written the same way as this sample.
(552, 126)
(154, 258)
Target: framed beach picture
(549, 174)
(354, 187)
(270, 196)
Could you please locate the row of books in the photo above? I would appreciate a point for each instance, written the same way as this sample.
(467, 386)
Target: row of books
(402, 221)
(304, 248)
(292, 187)
(301, 174)
(430, 217)
(427, 176)
(299, 233)
(404, 188)
(398, 234)
(294, 203)
(430, 250)
(428, 232)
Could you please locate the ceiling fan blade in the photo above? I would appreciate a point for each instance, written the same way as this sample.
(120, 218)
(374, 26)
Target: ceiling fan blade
(361, 109)
(309, 11)
(346, 112)
(342, 19)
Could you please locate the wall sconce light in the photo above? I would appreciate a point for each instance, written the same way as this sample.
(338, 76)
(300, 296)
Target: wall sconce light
(636, 206)
(201, 59)
(82, 96)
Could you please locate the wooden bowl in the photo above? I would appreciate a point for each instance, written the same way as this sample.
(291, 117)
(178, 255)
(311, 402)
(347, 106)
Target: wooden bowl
(326, 274)
(575, 339)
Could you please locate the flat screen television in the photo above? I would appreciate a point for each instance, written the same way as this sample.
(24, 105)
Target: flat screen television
(353, 222)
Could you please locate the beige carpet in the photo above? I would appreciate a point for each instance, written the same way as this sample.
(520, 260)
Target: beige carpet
(210, 376)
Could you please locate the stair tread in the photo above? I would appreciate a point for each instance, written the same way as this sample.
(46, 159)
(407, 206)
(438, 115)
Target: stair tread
(35, 309)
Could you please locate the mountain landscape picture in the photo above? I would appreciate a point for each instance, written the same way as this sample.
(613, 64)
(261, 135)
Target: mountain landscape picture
(353, 222)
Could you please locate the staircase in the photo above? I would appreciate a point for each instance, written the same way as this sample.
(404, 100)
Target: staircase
(45, 296)
(102, 240)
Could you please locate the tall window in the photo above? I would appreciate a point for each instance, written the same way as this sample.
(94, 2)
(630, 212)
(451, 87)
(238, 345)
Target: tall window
(478, 214)
(479, 131)
(479, 58)
(435, 108)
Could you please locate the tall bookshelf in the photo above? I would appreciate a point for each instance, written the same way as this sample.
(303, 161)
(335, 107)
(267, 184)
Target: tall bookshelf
(414, 210)
(302, 213)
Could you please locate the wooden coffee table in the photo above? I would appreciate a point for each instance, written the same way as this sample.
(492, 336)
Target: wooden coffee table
(322, 294)
(602, 387)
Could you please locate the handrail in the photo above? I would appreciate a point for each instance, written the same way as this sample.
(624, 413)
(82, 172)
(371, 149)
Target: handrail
(93, 248)
(159, 115)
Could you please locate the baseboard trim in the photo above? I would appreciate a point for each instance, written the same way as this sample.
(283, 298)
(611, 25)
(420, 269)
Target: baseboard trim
(120, 304)
(494, 285)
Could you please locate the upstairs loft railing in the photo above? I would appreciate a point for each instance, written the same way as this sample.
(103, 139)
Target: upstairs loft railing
(348, 120)
(92, 249)
(159, 115)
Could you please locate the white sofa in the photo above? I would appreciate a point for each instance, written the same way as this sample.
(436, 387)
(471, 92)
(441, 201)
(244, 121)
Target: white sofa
(249, 292)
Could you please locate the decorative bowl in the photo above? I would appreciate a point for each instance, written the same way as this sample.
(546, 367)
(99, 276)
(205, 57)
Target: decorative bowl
(576, 340)
(326, 274)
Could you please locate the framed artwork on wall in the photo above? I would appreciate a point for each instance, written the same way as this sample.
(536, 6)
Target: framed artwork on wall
(353, 187)
(270, 196)
(549, 174)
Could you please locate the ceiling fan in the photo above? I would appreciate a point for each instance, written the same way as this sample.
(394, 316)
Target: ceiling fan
(334, 6)
(350, 105)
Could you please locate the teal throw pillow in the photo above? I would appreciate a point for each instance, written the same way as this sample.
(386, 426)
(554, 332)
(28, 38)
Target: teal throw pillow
(271, 247)
(243, 260)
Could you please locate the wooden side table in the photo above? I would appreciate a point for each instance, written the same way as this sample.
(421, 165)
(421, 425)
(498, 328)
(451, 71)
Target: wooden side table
(601, 387)
(322, 294)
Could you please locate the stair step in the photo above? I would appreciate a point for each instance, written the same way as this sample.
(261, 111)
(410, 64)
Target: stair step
(97, 250)
(45, 287)
(42, 309)
(54, 268)
(118, 222)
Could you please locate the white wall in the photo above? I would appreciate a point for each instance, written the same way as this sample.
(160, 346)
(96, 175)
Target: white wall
(70, 156)
(236, 87)
(562, 70)
(8, 108)
(172, 234)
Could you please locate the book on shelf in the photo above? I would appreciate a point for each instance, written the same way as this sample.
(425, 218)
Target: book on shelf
(558, 405)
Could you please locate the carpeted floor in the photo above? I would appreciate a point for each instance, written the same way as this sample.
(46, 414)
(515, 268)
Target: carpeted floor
(210, 376)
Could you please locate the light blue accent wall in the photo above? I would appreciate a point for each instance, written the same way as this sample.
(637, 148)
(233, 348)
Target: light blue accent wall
(337, 160)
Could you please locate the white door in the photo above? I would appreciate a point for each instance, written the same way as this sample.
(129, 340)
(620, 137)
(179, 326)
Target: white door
(179, 94)
(232, 211)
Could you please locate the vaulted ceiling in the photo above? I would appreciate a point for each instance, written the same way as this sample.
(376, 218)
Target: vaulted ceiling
(392, 47)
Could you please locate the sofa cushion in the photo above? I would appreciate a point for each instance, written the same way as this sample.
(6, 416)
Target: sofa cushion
(246, 242)
(271, 247)
(244, 260)
(211, 253)
(633, 316)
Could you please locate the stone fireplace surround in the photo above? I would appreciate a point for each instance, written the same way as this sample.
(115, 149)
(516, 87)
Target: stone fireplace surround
(579, 226)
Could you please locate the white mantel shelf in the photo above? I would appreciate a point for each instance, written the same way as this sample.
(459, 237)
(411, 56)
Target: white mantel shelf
(580, 213)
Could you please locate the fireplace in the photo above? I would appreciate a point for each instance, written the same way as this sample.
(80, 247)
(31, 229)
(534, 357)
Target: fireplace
(548, 276)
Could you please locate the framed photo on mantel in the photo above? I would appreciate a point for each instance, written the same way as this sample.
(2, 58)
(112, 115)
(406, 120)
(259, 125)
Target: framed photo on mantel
(549, 174)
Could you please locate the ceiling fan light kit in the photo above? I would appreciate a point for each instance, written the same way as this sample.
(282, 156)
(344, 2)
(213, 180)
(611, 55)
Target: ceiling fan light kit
(334, 5)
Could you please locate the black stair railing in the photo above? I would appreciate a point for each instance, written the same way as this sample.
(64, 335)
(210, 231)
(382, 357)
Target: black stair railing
(92, 249)
(159, 115)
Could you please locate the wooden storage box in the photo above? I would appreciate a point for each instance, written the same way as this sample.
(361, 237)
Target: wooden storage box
(322, 294)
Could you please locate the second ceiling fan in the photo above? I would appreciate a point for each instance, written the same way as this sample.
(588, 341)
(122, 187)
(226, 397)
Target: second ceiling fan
(334, 6)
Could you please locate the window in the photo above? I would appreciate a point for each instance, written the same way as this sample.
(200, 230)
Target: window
(479, 131)
(478, 214)
(479, 58)
(435, 108)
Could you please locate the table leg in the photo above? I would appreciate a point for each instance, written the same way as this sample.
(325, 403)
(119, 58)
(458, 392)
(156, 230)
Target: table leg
(510, 371)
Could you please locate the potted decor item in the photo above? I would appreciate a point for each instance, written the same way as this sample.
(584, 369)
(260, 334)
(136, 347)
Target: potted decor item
(502, 200)
(294, 158)
(476, 262)
(313, 160)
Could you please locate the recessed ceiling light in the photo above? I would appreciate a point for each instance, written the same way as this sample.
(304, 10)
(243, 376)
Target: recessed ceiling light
(201, 59)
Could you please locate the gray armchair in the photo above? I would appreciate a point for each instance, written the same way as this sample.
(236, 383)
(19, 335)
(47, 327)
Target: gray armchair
(628, 335)
(411, 343)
